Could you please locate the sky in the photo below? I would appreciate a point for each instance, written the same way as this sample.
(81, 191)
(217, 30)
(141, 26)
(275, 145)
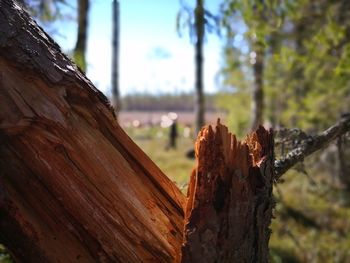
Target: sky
(153, 57)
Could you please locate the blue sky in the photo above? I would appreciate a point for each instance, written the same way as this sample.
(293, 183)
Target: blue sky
(153, 58)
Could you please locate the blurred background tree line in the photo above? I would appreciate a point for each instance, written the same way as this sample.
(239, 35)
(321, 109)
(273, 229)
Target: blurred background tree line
(296, 67)
(286, 64)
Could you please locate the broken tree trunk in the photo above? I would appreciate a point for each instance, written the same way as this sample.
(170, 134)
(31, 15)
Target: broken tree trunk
(73, 186)
(229, 206)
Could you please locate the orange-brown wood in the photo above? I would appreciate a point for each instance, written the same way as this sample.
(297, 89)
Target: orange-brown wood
(229, 205)
(73, 185)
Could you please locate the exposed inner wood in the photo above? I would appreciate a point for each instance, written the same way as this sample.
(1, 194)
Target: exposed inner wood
(229, 203)
(71, 176)
(73, 185)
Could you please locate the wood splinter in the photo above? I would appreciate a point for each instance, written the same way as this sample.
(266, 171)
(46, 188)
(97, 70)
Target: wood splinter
(229, 205)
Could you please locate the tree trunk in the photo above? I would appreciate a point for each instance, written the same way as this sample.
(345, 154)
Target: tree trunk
(115, 59)
(230, 203)
(199, 107)
(299, 68)
(258, 88)
(73, 185)
(80, 46)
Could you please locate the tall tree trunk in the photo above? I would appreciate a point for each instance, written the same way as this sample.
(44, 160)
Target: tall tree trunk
(115, 59)
(300, 87)
(80, 46)
(199, 106)
(258, 88)
(74, 187)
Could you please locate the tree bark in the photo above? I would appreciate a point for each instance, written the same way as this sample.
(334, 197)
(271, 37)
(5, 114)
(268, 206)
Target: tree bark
(312, 144)
(199, 107)
(80, 46)
(258, 88)
(229, 206)
(73, 185)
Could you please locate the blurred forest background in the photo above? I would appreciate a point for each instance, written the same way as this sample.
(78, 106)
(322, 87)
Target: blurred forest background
(283, 63)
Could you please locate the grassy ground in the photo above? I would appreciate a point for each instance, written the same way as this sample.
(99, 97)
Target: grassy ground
(173, 162)
(312, 221)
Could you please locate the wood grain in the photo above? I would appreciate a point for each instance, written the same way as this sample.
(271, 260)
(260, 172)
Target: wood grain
(74, 187)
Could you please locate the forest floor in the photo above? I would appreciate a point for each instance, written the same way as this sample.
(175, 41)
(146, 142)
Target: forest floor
(173, 162)
(312, 219)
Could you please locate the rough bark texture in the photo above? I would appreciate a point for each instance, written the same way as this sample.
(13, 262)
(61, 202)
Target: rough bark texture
(230, 203)
(311, 144)
(73, 186)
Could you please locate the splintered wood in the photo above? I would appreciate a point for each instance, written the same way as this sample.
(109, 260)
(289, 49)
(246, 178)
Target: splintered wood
(73, 186)
(229, 205)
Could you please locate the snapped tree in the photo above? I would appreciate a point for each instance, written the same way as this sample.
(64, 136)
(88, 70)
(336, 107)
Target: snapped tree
(75, 187)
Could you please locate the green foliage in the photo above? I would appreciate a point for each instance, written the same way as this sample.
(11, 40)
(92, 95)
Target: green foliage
(317, 92)
(47, 11)
(307, 65)
(79, 59)
(194, 19)
(236, 105)
(4, 256)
